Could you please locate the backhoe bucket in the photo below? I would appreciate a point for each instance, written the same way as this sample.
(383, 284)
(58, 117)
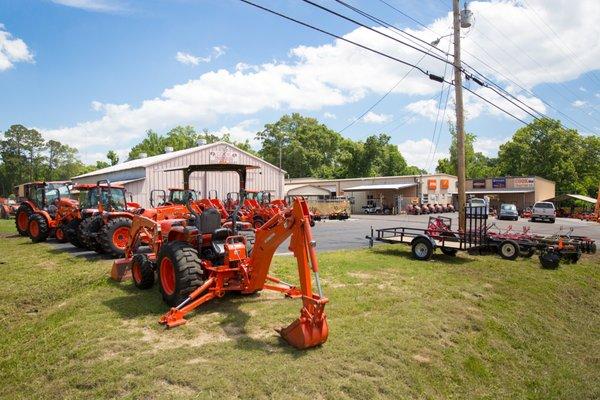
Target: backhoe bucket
(309, 330)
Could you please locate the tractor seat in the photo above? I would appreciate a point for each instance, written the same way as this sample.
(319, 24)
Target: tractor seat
(218, 240)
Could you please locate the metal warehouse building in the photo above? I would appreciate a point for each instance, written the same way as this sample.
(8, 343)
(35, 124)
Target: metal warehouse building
(142, 175)
(394, 192)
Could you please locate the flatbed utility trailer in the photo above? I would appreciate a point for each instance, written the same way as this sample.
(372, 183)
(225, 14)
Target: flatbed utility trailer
(439, 234)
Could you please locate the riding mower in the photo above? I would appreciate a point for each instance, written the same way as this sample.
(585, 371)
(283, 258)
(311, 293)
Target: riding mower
(199, 259)
(52, 220)
(31, 197)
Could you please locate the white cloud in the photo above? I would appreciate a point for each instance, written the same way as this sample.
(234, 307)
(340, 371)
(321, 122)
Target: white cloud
(245, 130)
(337, 73)
(189, 59)
(582, 89)
(329, 115)
(488, 146)
(419, 153)
(374, 118)
(579, 103)
(186, 58)
(93, 5)
(12, 50)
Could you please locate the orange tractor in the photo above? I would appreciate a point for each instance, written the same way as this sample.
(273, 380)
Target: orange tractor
(106, 223)
(32, 197)
(53, 220)
(7, 208)
(199, 259)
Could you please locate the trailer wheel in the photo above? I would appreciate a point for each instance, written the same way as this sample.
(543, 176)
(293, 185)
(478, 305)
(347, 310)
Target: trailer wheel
(22, 219)
(38, 228)
(550, 260)
(179, 272)
(422, 249)
(509, 250)
(449, 252)
(142, 272)
(527, 253)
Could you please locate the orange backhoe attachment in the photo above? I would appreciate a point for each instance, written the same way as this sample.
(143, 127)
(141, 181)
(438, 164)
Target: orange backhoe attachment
(250, 274)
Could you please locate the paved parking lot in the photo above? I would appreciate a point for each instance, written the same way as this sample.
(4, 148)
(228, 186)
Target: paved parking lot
(335, 235)
(350, 234)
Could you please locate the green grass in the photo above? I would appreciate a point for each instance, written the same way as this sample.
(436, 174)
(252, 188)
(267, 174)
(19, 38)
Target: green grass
(465, 327)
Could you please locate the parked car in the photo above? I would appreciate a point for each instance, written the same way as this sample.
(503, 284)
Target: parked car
(544, 211)
(477, 206)
(508, 211)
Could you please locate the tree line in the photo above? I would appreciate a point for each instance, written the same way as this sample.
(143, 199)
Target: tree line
(304, 147)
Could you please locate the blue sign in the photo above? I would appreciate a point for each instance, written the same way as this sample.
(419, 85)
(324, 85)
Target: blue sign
(499, 183)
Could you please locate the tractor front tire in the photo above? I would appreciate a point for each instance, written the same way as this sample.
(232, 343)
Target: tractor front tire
(113, 236)
(179, 272)
(142, 272)
(509, 250)
(38, 228)
(60, 234)
(72, 232)
(257, 222)
(22, 220)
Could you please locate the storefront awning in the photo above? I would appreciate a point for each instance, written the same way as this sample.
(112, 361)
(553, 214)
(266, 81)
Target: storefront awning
(387, 186)
(496, 191)
(573, 196)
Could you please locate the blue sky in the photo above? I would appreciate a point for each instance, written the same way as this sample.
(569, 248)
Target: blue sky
(98, 73)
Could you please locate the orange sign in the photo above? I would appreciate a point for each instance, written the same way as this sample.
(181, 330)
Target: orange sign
(431, 184)
(444, 183)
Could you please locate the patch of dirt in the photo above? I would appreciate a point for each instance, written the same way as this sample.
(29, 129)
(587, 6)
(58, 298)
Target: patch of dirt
(361, 275)
(175, 388)
(197, 360)
(9, 235)
(421, 359)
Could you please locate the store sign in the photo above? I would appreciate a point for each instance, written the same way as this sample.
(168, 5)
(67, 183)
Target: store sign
(478, 183)
(431, 184)
(499, 183)
(524, 182)
(444, 184)
(224, 155)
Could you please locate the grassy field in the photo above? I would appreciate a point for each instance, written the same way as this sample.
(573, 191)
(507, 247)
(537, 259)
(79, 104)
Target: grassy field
(465, 327)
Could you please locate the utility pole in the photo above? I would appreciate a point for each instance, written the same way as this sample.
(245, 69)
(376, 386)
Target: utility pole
(460, 123)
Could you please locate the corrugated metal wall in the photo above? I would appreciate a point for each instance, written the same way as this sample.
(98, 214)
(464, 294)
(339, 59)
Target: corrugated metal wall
(265, 178)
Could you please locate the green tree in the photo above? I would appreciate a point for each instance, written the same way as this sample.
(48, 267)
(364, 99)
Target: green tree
(61, 161)
(307, 147)
(112, 157)
(545, 148)
(22, 153)
(476, 163)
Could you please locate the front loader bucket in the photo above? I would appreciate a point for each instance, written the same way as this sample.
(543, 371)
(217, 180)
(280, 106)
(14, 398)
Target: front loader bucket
(121, 269)
(309, 330)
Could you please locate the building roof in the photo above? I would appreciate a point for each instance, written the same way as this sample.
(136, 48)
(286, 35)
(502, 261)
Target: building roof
(309, 189)
(573, 196)
(498, 191)
(387, 186)
(149, 161)
(309, 180)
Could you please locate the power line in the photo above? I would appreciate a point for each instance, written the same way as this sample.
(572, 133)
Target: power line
(335, 36)
(381, 99)
(440, 130)
(431, 76)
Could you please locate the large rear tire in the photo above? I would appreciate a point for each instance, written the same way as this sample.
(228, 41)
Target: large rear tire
(88, 231)
(38, 228)
(179, 272)
(113, 236)
(142, 272)
(22, 220)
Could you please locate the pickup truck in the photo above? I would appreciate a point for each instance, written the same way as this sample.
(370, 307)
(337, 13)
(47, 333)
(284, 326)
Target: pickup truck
(543, 210)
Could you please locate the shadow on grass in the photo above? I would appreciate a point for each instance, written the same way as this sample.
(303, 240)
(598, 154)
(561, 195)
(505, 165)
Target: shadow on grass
(137, 303)
(404, 252)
